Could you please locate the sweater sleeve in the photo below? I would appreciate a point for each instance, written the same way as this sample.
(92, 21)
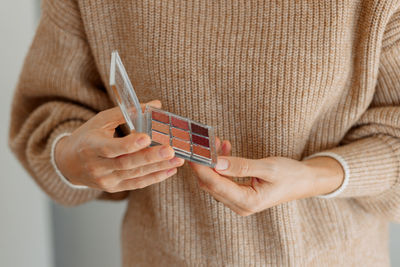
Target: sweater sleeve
(58, 90)
(371, 149)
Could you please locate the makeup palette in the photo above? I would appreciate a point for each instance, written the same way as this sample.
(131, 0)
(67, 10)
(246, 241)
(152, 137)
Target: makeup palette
(190, 140)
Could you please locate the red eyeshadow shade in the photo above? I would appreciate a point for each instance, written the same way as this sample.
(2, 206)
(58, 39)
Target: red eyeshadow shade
(158, 116)
(179, 123)
(201, 151)
(199, 129)
(200, 140)
(160, 138)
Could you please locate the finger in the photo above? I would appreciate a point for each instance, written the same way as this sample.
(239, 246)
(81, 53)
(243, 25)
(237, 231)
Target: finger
(143, 157)
(234, 207)
(146, 180)
(218, 145)
(226, 148)
(213, 182)
(147, 169)
(108, 119)
(241, 167)
(111, 147)
(153, 103)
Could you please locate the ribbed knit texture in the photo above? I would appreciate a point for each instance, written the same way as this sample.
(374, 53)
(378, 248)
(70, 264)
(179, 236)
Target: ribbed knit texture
(276, 78)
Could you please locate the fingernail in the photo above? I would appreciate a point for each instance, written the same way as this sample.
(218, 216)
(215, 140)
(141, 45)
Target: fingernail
(222, 164)
(175, 161)
(166, 152)
(171, 171)
(142, 141)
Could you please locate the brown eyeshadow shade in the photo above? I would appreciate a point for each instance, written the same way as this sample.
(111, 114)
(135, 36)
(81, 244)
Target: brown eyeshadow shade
(179, 123)
(201, 151)
(160, 138)
(200, 140)
(199, 129)
(158, 126)
(180, 134)
(183, 145)
(160, 116)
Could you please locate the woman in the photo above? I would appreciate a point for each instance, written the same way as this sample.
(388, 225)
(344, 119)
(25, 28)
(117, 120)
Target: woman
(306, 92)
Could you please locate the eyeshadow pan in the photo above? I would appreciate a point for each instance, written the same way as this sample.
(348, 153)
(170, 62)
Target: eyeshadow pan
(201, 151)
(160, 116)
(200, 140)
(199, 129)
(161, 127)
(183, 145)
(180, 134)
(160, 138)
(179, 123)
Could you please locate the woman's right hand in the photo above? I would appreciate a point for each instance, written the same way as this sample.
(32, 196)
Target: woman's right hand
(92, 156)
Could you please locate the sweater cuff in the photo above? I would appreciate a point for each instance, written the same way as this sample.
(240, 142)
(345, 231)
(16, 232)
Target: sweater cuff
(346, 170)
(51, 180)
(371, 166)
(57, 170)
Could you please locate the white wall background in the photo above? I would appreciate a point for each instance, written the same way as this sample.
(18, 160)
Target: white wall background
(25, 228)
(34, 231)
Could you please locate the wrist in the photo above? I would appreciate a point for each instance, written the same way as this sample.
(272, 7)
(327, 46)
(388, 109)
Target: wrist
(326, 173)
(59, 161)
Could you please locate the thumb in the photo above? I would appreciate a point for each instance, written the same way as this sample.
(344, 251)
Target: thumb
(108, 119)
(240, 167)
(153, 103)
(111, 118)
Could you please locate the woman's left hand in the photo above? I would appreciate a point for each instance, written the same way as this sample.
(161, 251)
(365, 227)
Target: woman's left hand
(274, 180)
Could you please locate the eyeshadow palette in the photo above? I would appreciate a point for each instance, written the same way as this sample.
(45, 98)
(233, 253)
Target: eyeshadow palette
(190, 140)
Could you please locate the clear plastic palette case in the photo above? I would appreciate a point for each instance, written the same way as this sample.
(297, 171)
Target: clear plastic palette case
(190, 140)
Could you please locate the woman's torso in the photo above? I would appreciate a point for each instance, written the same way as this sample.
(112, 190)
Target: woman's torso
(276, 78)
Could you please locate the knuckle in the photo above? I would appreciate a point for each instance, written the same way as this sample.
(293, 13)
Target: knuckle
(83, 150)
(137, 172)
(147, 157)
(118, 174)
(105, 151)
(121, 163)
(92, 170)
(102, 183)
(105, 184)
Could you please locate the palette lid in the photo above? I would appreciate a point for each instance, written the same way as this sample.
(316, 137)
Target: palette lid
(125, 94)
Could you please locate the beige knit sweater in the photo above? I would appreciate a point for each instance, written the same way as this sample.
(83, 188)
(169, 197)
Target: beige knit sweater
(276, 78)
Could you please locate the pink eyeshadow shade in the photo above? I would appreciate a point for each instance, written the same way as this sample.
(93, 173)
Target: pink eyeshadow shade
(181, 144)
(158, 126)
(160, 116)
(160, 138)
(180, 123)
(201, 151)
(180, 134)
(200, 140)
